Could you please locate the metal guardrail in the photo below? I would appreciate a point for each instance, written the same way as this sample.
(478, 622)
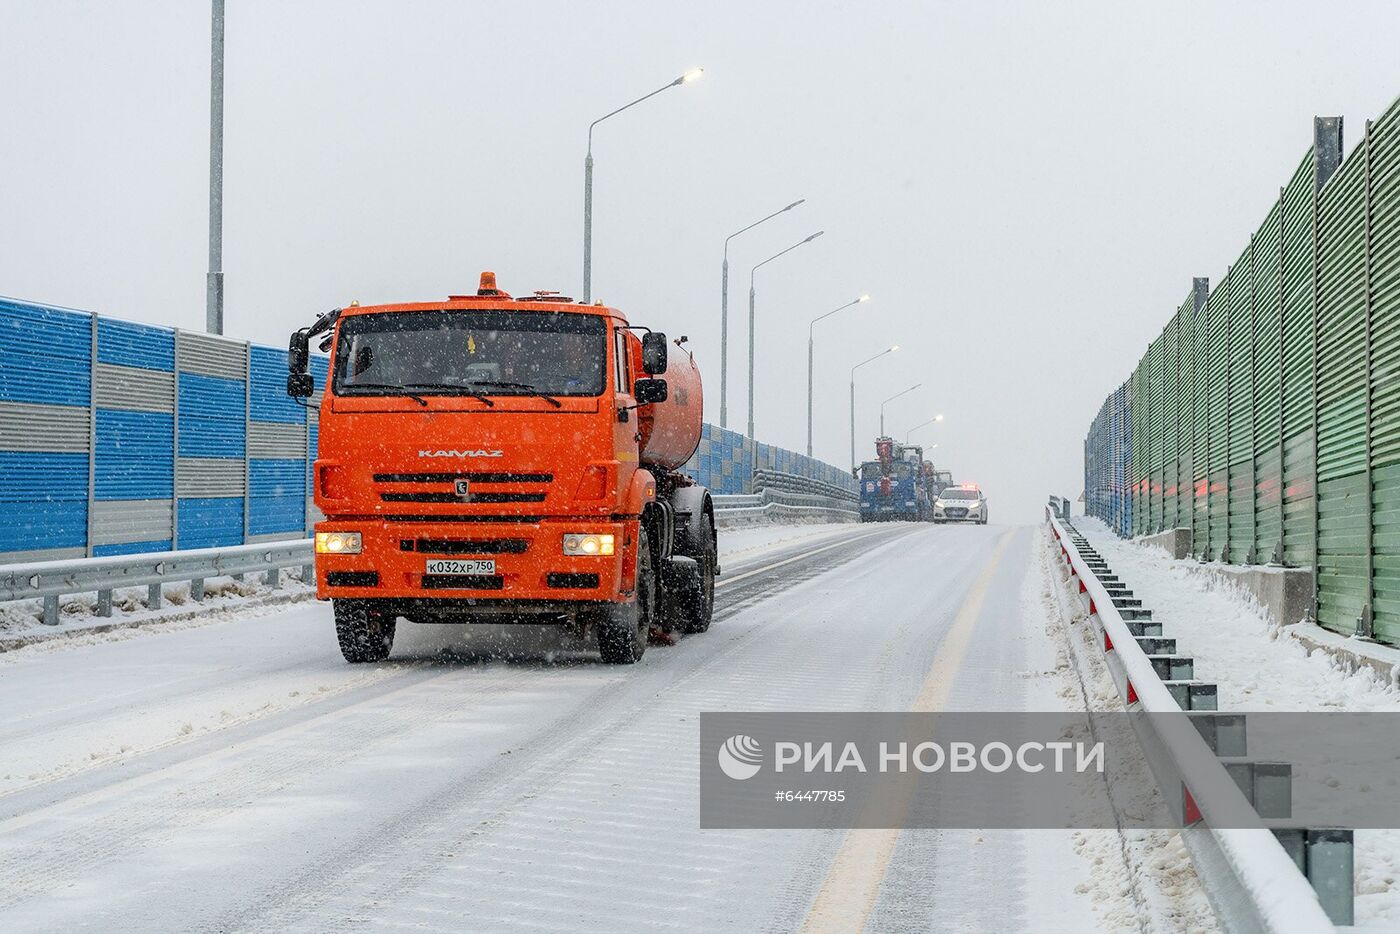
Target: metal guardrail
(737, 509)
(49, 580)
(1251, 881)
(791, 483)
(780, 495)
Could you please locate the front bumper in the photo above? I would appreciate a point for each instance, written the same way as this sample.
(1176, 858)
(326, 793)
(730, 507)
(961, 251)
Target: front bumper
(957, 514)
(530, 565)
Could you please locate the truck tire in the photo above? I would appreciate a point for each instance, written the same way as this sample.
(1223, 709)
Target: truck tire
(623, 627)
(697, 609)
(365, 634)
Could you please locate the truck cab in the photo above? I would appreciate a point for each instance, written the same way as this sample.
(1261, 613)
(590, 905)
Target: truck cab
(492, 459)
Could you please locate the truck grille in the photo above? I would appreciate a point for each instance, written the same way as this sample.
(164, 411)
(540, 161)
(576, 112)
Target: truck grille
(470, 477)
(463, 582)
(467, 546)
(425, 517)
(454, 498)
(571, 581)
(441, 487)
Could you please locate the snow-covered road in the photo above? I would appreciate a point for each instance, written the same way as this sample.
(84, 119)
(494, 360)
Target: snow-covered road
(239, 776)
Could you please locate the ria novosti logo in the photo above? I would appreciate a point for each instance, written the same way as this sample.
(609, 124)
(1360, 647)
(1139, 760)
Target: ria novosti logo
(740, 757)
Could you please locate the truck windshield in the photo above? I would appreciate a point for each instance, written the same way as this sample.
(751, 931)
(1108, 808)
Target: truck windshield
(498, 353)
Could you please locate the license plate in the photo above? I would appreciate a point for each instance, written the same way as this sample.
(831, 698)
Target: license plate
(475, 566)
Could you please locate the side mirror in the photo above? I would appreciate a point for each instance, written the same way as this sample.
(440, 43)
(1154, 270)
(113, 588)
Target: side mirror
(300, 385)
(299, 382)
(298, 351)
(654, 353)
(647, 391)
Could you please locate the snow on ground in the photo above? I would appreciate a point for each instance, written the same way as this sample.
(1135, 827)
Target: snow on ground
(1258, 666)
(744, 541)
(246, 698)
(532, 793)
(239, 694)
(1160, 891)
(98, 714)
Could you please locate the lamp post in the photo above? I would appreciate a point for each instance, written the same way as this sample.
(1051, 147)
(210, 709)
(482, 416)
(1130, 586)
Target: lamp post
(891, 399)
(214, 280)
(588, 179)
(862, 363)
(724, 315)
(751, 297)
(813, 324)
(936, 418)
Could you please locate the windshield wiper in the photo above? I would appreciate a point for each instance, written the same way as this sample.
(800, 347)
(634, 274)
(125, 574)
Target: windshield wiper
(453, 390)
(499, 384)
(392, 391)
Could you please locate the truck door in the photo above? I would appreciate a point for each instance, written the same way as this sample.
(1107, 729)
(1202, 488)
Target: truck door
(625, 432)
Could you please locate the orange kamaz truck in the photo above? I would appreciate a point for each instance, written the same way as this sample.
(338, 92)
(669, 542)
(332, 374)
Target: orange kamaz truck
(498, 459)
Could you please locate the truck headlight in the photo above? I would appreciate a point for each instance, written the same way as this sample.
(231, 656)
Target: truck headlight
(588, 543)
(338, 543)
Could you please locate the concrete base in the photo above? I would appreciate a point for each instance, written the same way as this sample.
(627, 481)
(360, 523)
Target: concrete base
(1351, 654)
(1284, 593)
(1286, 596)
(1175, 542)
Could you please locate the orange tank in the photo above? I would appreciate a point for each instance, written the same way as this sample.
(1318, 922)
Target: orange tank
(671, 429)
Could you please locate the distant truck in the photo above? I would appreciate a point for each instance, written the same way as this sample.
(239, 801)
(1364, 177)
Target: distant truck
(496, 459)
(942, 479)
(897, 484)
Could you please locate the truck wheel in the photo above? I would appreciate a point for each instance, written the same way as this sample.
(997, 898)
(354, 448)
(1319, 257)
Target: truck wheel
(697, 609)
(623, 627)
(365, 634)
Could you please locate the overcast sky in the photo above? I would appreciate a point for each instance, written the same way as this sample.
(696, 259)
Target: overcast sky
(1026, 188)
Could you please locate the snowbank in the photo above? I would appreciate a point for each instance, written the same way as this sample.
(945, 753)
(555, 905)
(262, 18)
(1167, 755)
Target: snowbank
(1259, 666)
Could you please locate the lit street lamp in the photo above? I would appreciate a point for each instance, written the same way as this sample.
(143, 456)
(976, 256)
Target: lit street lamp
(751, 296)
(936, 418)
(724, 315)
(891, 399)
(863, 298)
(588, 179)
(862, 363)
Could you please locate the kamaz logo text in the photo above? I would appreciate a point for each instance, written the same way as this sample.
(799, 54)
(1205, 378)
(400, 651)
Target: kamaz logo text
(456, 453)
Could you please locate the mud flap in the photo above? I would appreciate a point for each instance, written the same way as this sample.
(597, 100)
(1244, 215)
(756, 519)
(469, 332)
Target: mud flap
(680, 582)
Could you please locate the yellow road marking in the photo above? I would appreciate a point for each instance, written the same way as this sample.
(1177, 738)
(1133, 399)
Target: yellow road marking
(847, 894)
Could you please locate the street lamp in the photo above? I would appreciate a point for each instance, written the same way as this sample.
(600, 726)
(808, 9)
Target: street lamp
(891, 399)
(862, 363)
(751, 295)
(214, 280)
(936, 418)
(724, 316)
(686, 78)
(863, 298)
